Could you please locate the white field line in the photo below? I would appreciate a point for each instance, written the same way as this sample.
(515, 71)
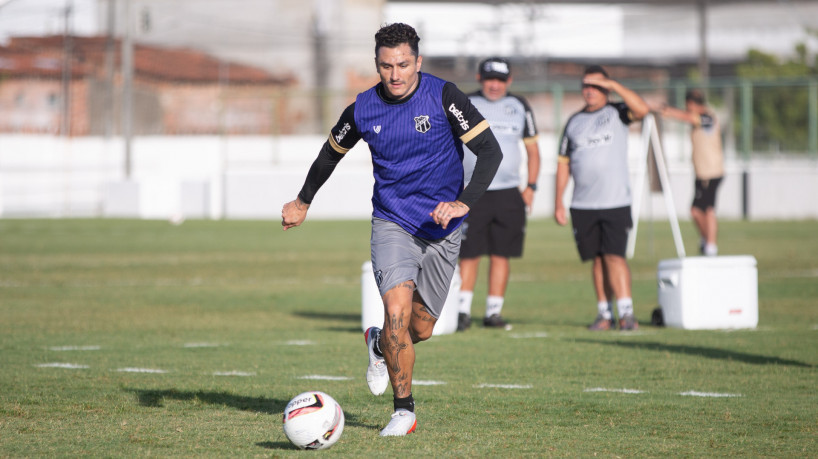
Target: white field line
(734, 330)
(198, 345)
(141, 370)
(425, 382)
(503, 386)
(68, 366)
(621, 391)
(693, 393)
(74, 348)
(528, 335)
(326, 378)
(300, 342)
(234, 373)
(633, 333)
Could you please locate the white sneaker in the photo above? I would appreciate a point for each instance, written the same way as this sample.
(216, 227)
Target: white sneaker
(377, 377)
(403, 422)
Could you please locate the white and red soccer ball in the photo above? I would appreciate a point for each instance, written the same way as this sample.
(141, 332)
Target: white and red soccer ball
(313, 420)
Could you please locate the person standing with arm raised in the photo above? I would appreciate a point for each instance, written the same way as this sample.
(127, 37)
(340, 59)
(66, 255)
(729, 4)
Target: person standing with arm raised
(594, 151)
(708, 164)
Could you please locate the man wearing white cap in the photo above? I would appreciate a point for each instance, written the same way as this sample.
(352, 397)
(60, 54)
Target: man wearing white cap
(496, 224)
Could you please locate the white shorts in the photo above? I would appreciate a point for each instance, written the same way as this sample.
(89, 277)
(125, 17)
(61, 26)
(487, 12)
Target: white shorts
(398, 256)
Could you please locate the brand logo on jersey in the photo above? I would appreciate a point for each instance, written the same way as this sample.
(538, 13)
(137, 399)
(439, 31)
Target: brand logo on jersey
(378, 277)
(460, 118)
(604, 138)
(422, 124)
(342, 133)
(377, 129)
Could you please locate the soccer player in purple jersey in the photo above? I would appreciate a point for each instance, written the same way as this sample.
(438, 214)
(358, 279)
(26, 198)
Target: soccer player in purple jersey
(415, 125)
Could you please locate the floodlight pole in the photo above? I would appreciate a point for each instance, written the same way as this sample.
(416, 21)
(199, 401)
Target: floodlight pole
(110, 51)
(704, 60)
(127, 83)
(65, 127)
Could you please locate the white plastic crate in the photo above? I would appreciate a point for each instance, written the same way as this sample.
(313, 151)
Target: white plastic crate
(709, 292)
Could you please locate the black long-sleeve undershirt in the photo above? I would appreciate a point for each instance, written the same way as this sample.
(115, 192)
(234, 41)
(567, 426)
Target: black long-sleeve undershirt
(489, 157)
(319, 172)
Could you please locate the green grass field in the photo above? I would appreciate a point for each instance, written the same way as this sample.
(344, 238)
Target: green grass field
(139, 338)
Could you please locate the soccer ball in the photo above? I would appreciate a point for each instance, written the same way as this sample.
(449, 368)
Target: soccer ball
(313, 420)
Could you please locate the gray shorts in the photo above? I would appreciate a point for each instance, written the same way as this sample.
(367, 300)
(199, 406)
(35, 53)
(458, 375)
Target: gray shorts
(397, 257)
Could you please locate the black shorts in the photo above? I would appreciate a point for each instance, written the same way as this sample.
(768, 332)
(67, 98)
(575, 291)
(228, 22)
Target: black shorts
(495, 225)
(601, 231)
(705, 195)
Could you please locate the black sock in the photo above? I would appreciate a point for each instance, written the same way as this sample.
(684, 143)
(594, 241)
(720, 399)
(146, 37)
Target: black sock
(377, 347)
(406, 403)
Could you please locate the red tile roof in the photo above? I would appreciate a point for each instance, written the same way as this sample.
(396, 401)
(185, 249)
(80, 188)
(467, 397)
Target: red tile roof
(44, 56)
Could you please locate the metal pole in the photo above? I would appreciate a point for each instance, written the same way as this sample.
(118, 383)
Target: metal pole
(746, 143)
(558, 96)
(109, 71)
(127, 83)
(746, 118)
(65, 128)
(812, 119)
(704, 62)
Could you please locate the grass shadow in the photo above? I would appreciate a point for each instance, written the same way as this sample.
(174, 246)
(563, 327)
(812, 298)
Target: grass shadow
(344, 317)
(709, 352)
(277, 445)
(155, 398)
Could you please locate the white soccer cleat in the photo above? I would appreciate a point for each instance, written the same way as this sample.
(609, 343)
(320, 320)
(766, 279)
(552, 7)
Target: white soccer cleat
(403, 422)
(377, 377)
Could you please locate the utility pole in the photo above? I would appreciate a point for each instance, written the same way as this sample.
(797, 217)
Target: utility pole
(322, 18)
(704, 59)
(68, 45)
(127, 83)
(110, 54)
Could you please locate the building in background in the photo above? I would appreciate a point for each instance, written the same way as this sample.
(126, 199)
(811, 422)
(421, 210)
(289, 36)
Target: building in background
(176, 91)
(325, 46)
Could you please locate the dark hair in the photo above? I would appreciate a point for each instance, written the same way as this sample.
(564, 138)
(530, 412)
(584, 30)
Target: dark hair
(695, 95)
(595, 69)
(394, 35)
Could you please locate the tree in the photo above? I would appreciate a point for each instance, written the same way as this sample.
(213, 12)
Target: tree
(780, 98)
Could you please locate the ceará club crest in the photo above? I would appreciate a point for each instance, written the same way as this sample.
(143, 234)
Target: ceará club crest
(422, 124)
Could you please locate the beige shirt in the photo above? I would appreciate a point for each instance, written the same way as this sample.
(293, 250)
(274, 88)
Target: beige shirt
(708, 158)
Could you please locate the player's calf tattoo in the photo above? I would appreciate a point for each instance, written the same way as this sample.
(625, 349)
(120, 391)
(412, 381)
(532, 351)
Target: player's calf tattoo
(394, 348)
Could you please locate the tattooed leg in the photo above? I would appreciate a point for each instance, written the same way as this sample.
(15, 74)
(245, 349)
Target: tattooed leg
(422, 324)
(396, 340)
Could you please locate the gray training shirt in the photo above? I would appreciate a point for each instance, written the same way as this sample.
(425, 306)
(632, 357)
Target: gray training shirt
(511, 120)
(596, 146)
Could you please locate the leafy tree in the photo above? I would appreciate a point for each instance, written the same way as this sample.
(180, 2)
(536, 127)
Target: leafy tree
(780, 98)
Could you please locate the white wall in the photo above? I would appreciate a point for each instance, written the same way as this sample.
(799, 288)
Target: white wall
(251, 177)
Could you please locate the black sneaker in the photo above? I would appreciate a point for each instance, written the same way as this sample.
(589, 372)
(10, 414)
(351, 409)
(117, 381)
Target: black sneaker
(495, 321)
(463, 321)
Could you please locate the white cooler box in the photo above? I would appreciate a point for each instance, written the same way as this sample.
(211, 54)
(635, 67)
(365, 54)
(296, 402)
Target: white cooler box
(709, 292)
(372, 304)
